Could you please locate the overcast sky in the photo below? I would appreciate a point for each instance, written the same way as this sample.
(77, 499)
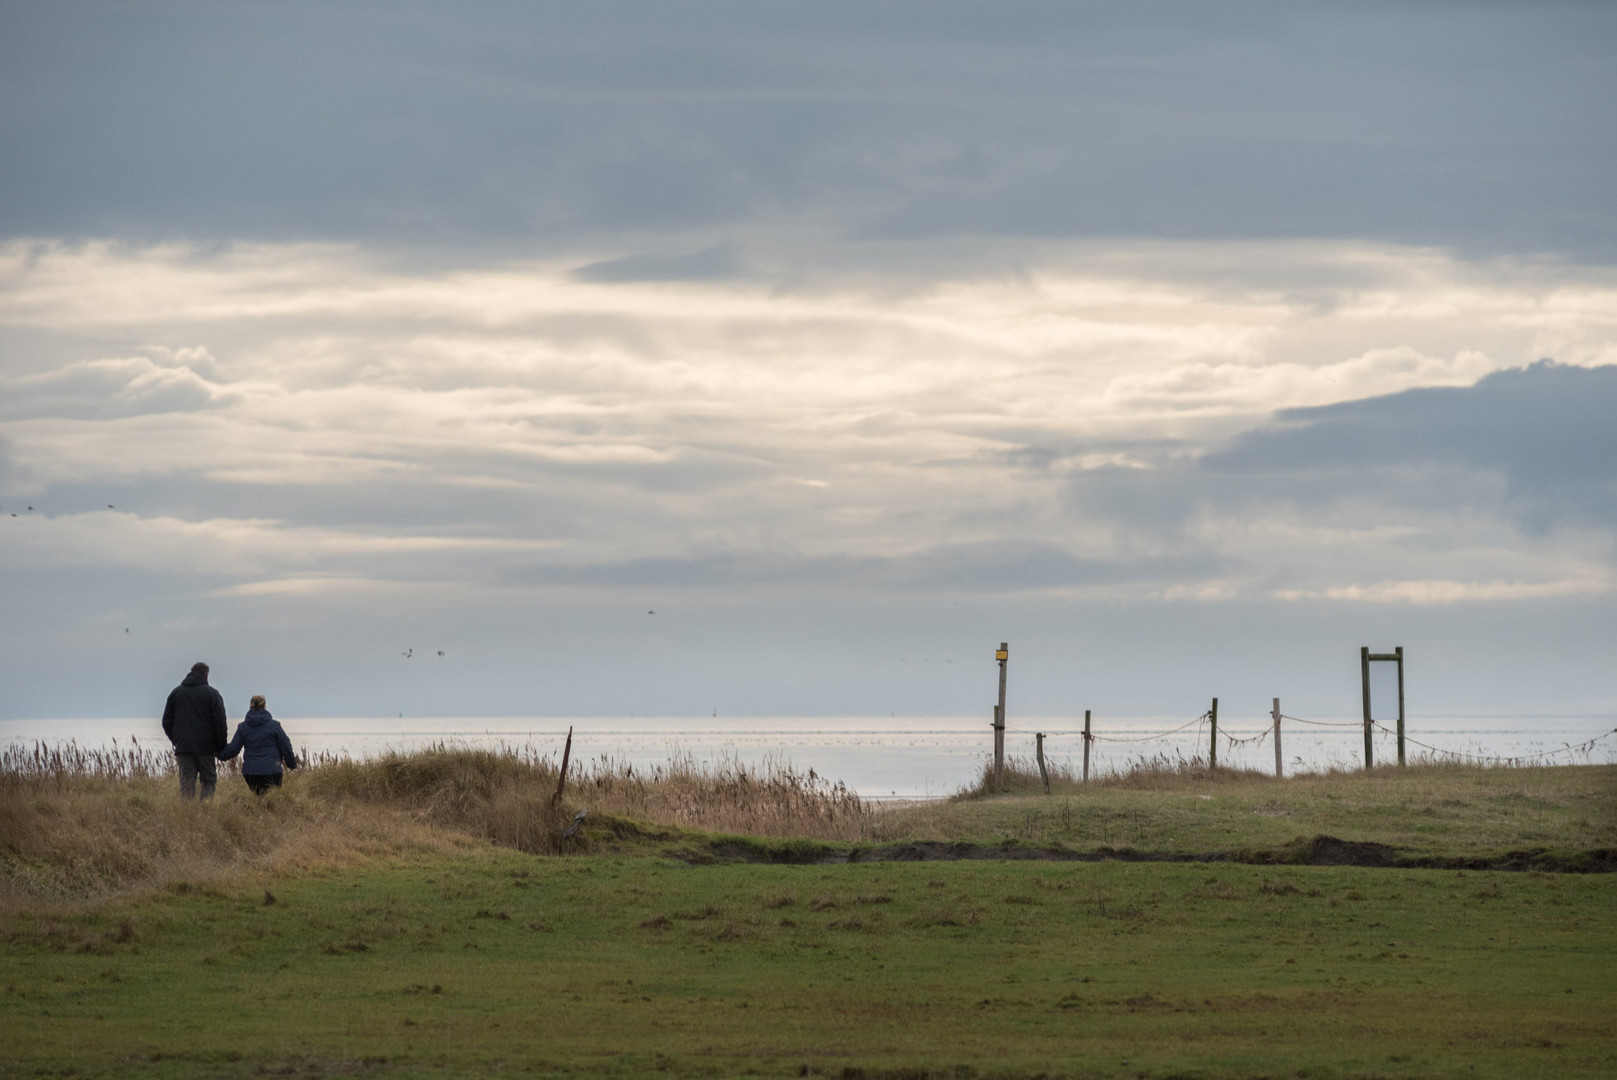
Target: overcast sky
(1186, 347)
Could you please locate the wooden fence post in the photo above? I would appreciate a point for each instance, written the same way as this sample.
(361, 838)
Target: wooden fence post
(1212, 745)
(999, 752)
(1038, 752)
(1364, 674)
(1399, 653)
(1278, 770)
(1088, 738)
(1003, 656)
(567, 752)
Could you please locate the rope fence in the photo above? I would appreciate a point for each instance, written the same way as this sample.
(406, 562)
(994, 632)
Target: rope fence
(1584, 747)
(1325, 723)
(1236, 740)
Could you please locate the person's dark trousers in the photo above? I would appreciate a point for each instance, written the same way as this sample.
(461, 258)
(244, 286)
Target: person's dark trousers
(262, 782)
(191, 767)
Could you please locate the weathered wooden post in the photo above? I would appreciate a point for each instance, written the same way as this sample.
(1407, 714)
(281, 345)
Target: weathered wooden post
(1212, 745)
(1038, 752)
(1276, 714)
(1003, 656)
(566, 752)
(1364, 674)
(1399, 653)
(1088, 738)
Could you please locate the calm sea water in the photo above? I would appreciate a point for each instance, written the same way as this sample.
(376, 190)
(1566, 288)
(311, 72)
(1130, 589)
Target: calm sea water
(892, 757)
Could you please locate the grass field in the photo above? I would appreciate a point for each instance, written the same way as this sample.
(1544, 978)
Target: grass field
(1430, 810)
(427, 947)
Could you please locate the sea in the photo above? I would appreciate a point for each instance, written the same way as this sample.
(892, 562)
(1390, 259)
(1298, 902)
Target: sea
(912, 757)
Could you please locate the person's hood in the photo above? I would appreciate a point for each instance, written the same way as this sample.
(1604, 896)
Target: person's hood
(195, 678)
(256, 717)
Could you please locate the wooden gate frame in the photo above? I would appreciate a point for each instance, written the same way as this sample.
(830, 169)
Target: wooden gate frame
(1397, 657)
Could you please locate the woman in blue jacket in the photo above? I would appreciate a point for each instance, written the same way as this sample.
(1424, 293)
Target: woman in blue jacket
(263, 745)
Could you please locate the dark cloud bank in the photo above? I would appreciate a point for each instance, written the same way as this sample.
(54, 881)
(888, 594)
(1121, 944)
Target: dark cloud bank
(1547, 431)
(1534, 446)
(1482, 127)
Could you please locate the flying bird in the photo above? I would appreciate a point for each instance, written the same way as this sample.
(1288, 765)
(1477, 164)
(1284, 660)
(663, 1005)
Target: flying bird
(651, 613)
(111, 507)
(440, 652)
(408, 653)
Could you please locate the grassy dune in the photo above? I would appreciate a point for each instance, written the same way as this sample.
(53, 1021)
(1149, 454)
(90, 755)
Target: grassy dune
(83, 824)
(1426, 809)
(410, 917)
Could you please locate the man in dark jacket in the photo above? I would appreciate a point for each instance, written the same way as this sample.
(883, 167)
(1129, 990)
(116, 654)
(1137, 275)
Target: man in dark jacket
(194, 721)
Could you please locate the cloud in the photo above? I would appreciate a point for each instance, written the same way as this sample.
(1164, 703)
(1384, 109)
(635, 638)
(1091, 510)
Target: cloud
(1545, 430)
(715, 263)
(1124, 451)
(515, 128)
(301, 437)
(1452, 592)
(1003, 568)
(106, 389)
(1106, 422)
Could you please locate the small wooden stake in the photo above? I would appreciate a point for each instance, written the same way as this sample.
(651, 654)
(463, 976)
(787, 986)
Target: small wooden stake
(1088, 738)
(566, 752)
(1279, 772)
(1212, 751)
(1038, 752)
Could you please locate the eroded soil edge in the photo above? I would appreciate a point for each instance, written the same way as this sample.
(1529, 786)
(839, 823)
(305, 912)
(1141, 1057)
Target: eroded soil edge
(1318, 851)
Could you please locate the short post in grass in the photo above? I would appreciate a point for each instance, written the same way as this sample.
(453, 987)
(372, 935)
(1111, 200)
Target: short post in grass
(1038, 752)
(1088, 738)
(1212, 742)
(1275, 713)
(1003, 656)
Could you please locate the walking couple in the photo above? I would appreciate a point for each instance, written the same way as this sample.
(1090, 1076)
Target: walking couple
(194, 721)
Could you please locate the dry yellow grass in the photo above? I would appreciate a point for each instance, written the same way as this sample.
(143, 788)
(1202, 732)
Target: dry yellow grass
(98, 835)
(79, 823)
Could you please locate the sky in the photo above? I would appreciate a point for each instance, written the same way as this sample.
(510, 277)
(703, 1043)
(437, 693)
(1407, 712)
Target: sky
(557, 359)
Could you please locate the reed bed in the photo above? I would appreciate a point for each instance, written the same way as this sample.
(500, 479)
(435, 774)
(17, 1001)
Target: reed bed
(41, 763)
(774, 799)
(1172, 770)
(1154, 771)
(77, 820)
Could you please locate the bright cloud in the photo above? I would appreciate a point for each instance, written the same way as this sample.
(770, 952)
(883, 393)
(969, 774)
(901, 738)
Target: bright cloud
(336, 436)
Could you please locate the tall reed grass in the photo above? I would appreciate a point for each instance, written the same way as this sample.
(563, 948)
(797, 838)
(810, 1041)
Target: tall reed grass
(1147, 771)
(42, 763)
(76, 820)
(1170, 770)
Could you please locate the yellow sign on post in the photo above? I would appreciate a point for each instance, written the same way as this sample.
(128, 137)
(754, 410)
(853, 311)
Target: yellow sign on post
(1002, 654)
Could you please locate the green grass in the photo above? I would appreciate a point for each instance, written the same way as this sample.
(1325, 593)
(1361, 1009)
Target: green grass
(406, 938)
(1424, 811)
(494, 962)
